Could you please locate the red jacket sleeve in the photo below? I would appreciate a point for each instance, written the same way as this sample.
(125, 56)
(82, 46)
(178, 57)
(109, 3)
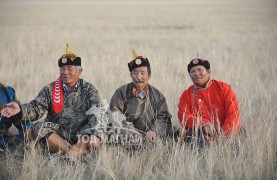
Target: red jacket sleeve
(185, 115)
(232, 122)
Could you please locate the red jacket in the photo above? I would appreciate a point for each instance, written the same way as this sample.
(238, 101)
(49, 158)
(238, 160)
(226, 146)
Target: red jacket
(217, 103)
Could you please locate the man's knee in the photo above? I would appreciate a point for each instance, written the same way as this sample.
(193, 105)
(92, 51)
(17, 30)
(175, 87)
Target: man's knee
(56, 143)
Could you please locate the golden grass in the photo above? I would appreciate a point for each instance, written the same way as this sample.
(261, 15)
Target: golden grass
(238, 37)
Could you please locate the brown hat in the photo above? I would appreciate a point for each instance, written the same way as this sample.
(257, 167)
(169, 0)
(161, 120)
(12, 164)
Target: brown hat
(138, 61)
(69, 58)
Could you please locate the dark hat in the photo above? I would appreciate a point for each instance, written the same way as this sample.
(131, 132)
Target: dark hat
(69, 58)
(198, 61)
(138, 61)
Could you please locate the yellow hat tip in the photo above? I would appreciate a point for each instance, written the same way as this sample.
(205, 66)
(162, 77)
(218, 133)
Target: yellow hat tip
(68, 50)
(134, 54)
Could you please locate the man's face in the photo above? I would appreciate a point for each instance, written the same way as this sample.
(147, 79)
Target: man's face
(140, 77)
(70, 75)
(199, 75)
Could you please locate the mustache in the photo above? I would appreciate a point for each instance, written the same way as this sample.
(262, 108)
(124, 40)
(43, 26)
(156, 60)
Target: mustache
(139, 81)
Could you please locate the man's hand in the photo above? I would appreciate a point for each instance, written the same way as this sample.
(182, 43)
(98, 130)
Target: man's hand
(11, 109)
(151, 136)
(210, 130)
(1, 150)
(94, 142)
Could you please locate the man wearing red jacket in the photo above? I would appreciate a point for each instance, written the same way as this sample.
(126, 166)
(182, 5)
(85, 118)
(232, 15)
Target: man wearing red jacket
(209, 108)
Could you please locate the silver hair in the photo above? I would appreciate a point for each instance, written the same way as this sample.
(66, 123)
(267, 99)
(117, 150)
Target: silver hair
(79, 68)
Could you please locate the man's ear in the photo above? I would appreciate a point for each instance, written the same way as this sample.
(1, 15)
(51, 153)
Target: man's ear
(149, 74)
(80, 71)
(209, 72)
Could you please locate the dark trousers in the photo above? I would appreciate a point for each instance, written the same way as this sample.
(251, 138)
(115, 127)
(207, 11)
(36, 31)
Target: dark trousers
(197, 137)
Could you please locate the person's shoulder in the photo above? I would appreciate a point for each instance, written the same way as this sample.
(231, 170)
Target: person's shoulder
(88, 85)
(156, 91)
(221, 84)
(122, 91)
(6, 87)
(48, 86)
(124, 87)
(189, 89)
(8, 92)
(10, 89)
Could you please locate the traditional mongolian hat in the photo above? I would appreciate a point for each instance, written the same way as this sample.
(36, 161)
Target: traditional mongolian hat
(69, 58)
(198, 61)
(138, 61)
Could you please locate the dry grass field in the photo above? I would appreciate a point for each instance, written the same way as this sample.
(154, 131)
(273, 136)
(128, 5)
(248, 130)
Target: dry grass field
(239, 38)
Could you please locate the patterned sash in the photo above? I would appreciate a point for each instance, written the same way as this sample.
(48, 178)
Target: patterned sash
(57, 96)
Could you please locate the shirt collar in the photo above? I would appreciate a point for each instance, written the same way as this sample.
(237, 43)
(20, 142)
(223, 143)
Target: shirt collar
(65, 88)
(142, 94)
(199, 87)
